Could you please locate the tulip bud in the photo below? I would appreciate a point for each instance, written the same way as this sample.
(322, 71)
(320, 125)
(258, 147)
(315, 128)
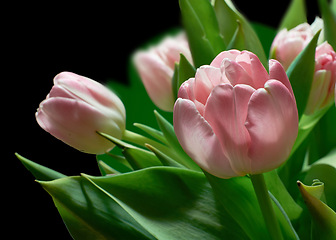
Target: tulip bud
(76, 108)
(156, 69)
(288, 44)
(233, 118)
(323, 85)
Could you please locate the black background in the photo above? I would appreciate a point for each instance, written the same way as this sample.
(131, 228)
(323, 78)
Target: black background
(89, 38)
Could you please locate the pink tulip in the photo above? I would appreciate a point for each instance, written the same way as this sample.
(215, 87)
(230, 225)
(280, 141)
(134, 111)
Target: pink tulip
(156, 69)
(322, 89)
(76, 108)
(234, 118)
(288, 44)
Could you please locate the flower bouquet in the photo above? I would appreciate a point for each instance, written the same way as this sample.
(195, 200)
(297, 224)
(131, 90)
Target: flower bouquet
(245, 143)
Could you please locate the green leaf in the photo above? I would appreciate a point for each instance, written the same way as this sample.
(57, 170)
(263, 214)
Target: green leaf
(295, 15)
(333, 7)
(228, 16)
(279, 191)
(171, 203)
(238, 40)
(112, 163)
(329, 20)
(40, 172)
(152, 132)
(324, 218)
(325, 170)
(301, 73)
(323, 138)
(164, 159)
(200, 22)
(89, 213)
(237, 197)
(140, 158)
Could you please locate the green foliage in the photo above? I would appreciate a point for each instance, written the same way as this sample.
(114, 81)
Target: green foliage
(295, 15)
(151, 189)
(236, 30)
(200, 23)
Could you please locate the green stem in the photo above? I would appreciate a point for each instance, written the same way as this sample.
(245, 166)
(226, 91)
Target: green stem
(266, 207)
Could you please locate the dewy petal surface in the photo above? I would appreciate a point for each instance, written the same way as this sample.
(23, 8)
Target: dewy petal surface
(226, 112)
(199, 140)
(272, 122)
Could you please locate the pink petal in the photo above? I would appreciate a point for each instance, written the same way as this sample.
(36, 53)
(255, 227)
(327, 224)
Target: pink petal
(231, 55)
(156, 76)
(226, 112)
(272, 122)
(199, 141)
(277, 72)
(205, 79)
(75, 123)
(235, 73)
(258, 71)
(88, 90)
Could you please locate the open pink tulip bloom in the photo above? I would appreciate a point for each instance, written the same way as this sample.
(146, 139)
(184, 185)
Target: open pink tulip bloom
(76, 108)
(234, 118)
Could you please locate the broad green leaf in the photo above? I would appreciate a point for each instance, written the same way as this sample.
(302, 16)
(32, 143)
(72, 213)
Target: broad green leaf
(200, 22)
(279, 191)
(324, 170)
(40, 172)
(171, 203)
(324, 218)
(228, 16)
(301, 73)
(237, 197)
(329, 20)
(295, 15)
(89, 213)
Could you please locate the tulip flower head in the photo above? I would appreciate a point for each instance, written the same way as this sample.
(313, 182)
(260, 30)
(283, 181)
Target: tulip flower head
(289, 43)
(156, 69)
(76, 108)
(233, 118)
(323, 85)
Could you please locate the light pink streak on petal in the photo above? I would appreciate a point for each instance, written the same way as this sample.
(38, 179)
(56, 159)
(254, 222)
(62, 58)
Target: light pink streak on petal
(199, 141)
(272, 122)
(226, 112)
